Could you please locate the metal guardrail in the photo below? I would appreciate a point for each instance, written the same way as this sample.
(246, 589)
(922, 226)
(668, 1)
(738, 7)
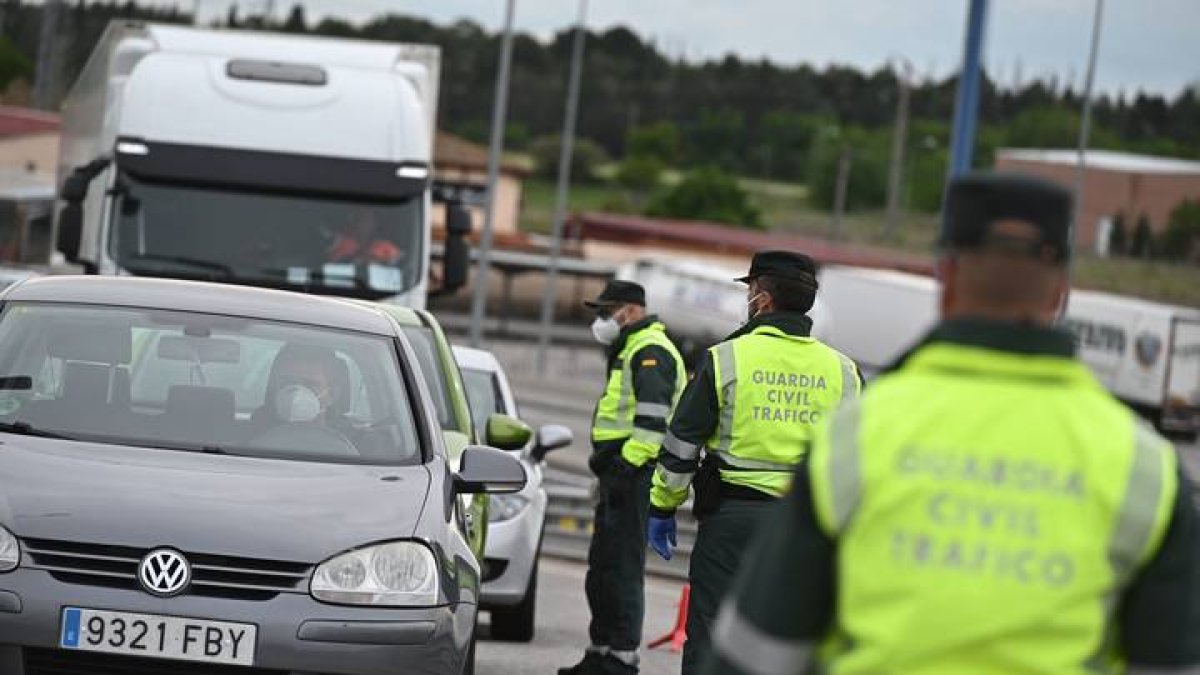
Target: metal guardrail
(569, 525)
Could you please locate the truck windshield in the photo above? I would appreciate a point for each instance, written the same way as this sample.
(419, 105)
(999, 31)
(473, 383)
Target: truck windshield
(349, 248)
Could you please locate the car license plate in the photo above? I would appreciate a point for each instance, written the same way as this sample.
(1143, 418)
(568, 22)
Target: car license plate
(167, 637)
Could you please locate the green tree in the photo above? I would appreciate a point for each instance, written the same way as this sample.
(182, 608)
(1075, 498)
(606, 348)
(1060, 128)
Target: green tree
(1143, 239)
(13, 64)
(296, 21)
(641, 175)
(707, 193)
(1118, 237)
(585, 158)
(659, 141)
(1181, 240)
(869, 151)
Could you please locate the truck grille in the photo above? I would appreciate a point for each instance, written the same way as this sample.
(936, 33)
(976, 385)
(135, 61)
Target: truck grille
(212, 575)
(62, 662)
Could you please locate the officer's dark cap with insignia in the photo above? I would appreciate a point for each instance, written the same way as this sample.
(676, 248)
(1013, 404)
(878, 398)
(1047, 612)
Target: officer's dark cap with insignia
(618, 292)
(781, 265)
(978, 201)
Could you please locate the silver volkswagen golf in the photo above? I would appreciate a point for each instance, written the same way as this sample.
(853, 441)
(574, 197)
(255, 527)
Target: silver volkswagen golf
(205, 479)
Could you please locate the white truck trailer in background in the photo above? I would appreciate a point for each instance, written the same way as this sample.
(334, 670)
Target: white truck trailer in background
(1147, 354)
(247, 157)
(698, 301)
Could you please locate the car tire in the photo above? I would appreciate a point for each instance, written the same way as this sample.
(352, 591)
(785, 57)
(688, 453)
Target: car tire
(517, 623)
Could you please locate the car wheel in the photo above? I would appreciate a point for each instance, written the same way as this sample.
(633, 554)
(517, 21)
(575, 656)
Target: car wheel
(516, 624)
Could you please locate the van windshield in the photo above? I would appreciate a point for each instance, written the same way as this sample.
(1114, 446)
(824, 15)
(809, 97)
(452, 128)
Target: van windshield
(349, 248)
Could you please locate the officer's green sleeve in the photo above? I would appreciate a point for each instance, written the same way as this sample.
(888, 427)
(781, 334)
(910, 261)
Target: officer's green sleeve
(653, 389)
(1160, 612)
(781, 605)
(694, 422)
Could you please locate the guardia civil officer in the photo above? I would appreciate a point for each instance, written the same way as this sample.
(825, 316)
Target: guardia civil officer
(986, 506)
(644, 378)
(749, 411)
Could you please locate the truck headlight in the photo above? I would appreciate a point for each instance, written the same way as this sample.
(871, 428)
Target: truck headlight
(10, 551)
(398, 574)
(505, 507)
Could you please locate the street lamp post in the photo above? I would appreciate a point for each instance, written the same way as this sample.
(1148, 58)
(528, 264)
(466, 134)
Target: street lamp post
(550, 292)
(1085, 125)
(496, 147)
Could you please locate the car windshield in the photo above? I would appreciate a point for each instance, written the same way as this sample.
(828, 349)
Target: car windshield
(430, 361)
(484, 394)
(205, 383)
(354, 249)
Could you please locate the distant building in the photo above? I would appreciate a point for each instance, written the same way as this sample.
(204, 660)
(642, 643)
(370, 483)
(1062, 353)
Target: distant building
(28, 161)
(457, 161)
(1115, 182)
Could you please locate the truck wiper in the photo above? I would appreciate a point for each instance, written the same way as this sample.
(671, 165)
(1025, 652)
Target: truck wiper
(225, 271)
(27, 429)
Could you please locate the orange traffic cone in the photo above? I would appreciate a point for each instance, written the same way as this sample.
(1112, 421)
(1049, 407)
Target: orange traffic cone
(678, 634)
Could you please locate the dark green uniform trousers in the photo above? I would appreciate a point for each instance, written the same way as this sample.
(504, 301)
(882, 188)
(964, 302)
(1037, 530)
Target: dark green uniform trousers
(617, 558)
(721, 541)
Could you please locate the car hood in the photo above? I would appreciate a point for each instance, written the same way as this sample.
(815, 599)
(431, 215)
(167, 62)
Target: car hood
(224, 505)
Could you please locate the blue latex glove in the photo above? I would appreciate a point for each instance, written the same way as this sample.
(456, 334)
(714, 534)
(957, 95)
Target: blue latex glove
(662, 535)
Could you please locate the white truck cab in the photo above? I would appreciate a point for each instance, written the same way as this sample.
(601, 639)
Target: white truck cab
(261, 159)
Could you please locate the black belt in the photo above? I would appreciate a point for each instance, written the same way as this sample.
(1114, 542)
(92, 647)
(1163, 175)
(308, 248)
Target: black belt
(744, 493)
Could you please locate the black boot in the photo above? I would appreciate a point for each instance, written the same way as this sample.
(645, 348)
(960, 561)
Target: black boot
(611, 665)
(590, 665)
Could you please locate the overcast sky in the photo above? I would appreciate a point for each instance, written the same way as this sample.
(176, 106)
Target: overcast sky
(1152, 45)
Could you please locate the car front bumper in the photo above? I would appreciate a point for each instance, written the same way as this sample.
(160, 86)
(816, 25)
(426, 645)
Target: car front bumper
(512, 546)
(296, 634)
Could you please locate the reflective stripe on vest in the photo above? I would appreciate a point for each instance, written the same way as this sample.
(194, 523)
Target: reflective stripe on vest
(773, 388)
(618, 407)
(1011, 508)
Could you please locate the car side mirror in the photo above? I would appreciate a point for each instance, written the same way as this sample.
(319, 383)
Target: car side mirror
(507, 433)
(456, 260)
(551, 437)
(488, 470)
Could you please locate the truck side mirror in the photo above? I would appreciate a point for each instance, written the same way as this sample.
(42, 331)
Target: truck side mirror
(70, 219)
(70, 230)
(457, 259)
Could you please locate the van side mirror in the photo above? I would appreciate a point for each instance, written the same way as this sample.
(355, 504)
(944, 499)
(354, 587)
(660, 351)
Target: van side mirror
(456, 261)
(551, 437)
(490, 471)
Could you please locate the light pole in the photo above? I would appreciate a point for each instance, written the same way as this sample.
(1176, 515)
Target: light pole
(550, 292)
(1085, 125)
(966, 105)
(899, 143)
(495, 149)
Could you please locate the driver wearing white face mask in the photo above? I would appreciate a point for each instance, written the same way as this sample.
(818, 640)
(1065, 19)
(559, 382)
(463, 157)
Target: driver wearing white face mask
(306, 385)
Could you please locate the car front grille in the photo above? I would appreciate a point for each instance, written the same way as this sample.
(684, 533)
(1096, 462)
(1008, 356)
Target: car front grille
(212, 575)
(63, 662)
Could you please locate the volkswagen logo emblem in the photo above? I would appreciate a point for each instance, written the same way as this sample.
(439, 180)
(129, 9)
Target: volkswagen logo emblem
(164, 573)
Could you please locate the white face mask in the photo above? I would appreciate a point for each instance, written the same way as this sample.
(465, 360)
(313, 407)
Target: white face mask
(297, 403)
(751, 312)
(606, 330)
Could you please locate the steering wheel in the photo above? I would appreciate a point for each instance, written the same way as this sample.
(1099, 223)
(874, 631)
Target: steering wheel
(307, 438)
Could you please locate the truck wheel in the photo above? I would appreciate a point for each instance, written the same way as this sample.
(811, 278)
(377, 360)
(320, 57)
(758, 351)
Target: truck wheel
(516, 624)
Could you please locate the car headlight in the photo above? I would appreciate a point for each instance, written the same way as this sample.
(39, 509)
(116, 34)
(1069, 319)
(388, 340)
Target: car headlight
(10, 551)
(505, 507)
(398, 574)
